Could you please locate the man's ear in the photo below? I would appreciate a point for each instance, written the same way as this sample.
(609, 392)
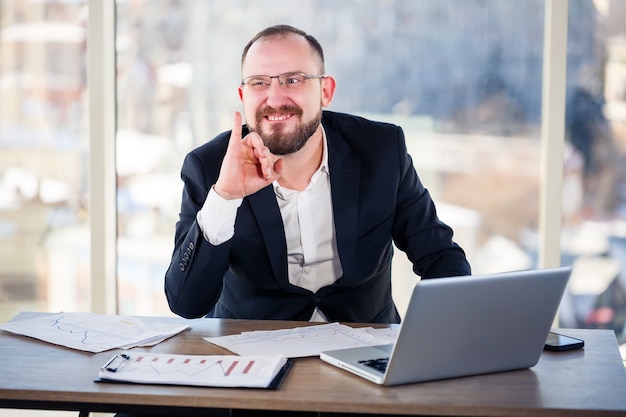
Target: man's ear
(240, 91)
(328, 90)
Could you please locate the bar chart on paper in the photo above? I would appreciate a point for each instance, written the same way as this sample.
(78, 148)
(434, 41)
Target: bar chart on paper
(197, 370)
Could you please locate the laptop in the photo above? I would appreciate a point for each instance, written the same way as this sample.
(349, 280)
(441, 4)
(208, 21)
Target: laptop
(463, 326)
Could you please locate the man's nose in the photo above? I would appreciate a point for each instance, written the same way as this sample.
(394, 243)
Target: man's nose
(276, 93)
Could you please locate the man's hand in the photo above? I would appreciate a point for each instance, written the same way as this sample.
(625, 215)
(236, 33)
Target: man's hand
(248, 165)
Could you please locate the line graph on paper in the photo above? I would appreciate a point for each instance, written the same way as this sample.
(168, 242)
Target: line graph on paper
(210, 370)
(297, 342)
(87, 335)
(89, 331)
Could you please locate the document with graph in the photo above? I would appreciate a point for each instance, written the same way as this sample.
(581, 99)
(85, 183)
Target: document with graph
(92, 332)
(261, 371)
(303, 341)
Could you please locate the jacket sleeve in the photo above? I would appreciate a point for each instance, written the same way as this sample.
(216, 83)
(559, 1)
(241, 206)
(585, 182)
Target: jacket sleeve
(193, 280)
(417, 230)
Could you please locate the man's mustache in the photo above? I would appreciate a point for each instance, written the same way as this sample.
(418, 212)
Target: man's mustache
(269, 110)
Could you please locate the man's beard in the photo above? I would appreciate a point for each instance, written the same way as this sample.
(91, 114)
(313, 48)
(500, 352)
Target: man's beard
(276, 139)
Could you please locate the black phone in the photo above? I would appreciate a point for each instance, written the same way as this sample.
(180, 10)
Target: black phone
(558, 342)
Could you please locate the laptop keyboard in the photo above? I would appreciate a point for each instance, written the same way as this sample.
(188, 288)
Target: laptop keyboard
(378, 364)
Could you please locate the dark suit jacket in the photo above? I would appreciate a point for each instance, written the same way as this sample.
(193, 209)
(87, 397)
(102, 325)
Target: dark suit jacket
(376, 197)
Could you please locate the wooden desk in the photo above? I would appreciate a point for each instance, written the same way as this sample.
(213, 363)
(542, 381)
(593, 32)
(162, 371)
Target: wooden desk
(588, 382)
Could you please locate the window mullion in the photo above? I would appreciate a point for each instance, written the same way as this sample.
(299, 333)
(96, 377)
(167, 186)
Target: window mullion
(553, 131)
(102, 183)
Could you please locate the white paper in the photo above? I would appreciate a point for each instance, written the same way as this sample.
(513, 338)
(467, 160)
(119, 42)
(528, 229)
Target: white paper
(92, 332)
(197, 370)
(297, 342)
(385, 334)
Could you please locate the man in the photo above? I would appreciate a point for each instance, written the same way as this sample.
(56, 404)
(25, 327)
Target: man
(294, 216)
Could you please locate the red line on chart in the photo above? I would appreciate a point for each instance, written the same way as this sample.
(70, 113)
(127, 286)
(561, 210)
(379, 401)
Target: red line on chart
(245, 371)
(166, 366)
(230, 369)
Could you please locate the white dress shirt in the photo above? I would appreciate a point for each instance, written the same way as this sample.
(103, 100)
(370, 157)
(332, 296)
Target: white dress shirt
(312, 257)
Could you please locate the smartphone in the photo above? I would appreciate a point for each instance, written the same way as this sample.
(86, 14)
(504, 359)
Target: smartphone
(558, 342)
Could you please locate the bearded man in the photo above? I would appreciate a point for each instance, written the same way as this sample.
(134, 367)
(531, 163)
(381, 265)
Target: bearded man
(294, 216)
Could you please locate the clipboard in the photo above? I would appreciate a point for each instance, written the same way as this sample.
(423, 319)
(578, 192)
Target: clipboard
(258, 371)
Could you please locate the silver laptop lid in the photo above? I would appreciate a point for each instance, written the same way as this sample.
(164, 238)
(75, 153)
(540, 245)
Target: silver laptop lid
(478, 324)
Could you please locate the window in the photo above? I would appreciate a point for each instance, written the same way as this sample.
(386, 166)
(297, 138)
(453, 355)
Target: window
(594, 203)
(463, 78)
(44, 229)
(470, 106)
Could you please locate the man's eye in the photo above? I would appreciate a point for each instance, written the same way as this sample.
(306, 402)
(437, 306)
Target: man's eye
(257, 83)
(293, 80)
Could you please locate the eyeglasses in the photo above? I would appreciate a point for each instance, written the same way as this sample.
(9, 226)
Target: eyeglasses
(290, 80)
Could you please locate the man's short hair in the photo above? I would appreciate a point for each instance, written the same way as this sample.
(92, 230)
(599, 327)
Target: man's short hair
(282, 31)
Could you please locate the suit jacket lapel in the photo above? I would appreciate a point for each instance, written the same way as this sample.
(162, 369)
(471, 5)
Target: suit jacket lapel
(344, 182)
(267, 214)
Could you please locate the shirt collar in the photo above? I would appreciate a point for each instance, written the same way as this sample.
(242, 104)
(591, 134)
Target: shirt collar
(324, 165)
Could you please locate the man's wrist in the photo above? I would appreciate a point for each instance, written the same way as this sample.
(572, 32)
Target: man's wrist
(217, 217)
(224, 194)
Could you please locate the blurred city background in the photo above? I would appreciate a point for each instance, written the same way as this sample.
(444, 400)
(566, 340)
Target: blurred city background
(462, 77)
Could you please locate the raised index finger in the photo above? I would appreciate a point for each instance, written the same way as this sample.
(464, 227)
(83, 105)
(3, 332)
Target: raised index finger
(236, 132)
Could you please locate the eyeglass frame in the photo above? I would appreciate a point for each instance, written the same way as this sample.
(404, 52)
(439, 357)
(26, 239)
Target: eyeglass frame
(281, 84)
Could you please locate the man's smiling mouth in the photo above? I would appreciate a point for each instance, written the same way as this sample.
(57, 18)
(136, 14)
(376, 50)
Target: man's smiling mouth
(278, 118)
